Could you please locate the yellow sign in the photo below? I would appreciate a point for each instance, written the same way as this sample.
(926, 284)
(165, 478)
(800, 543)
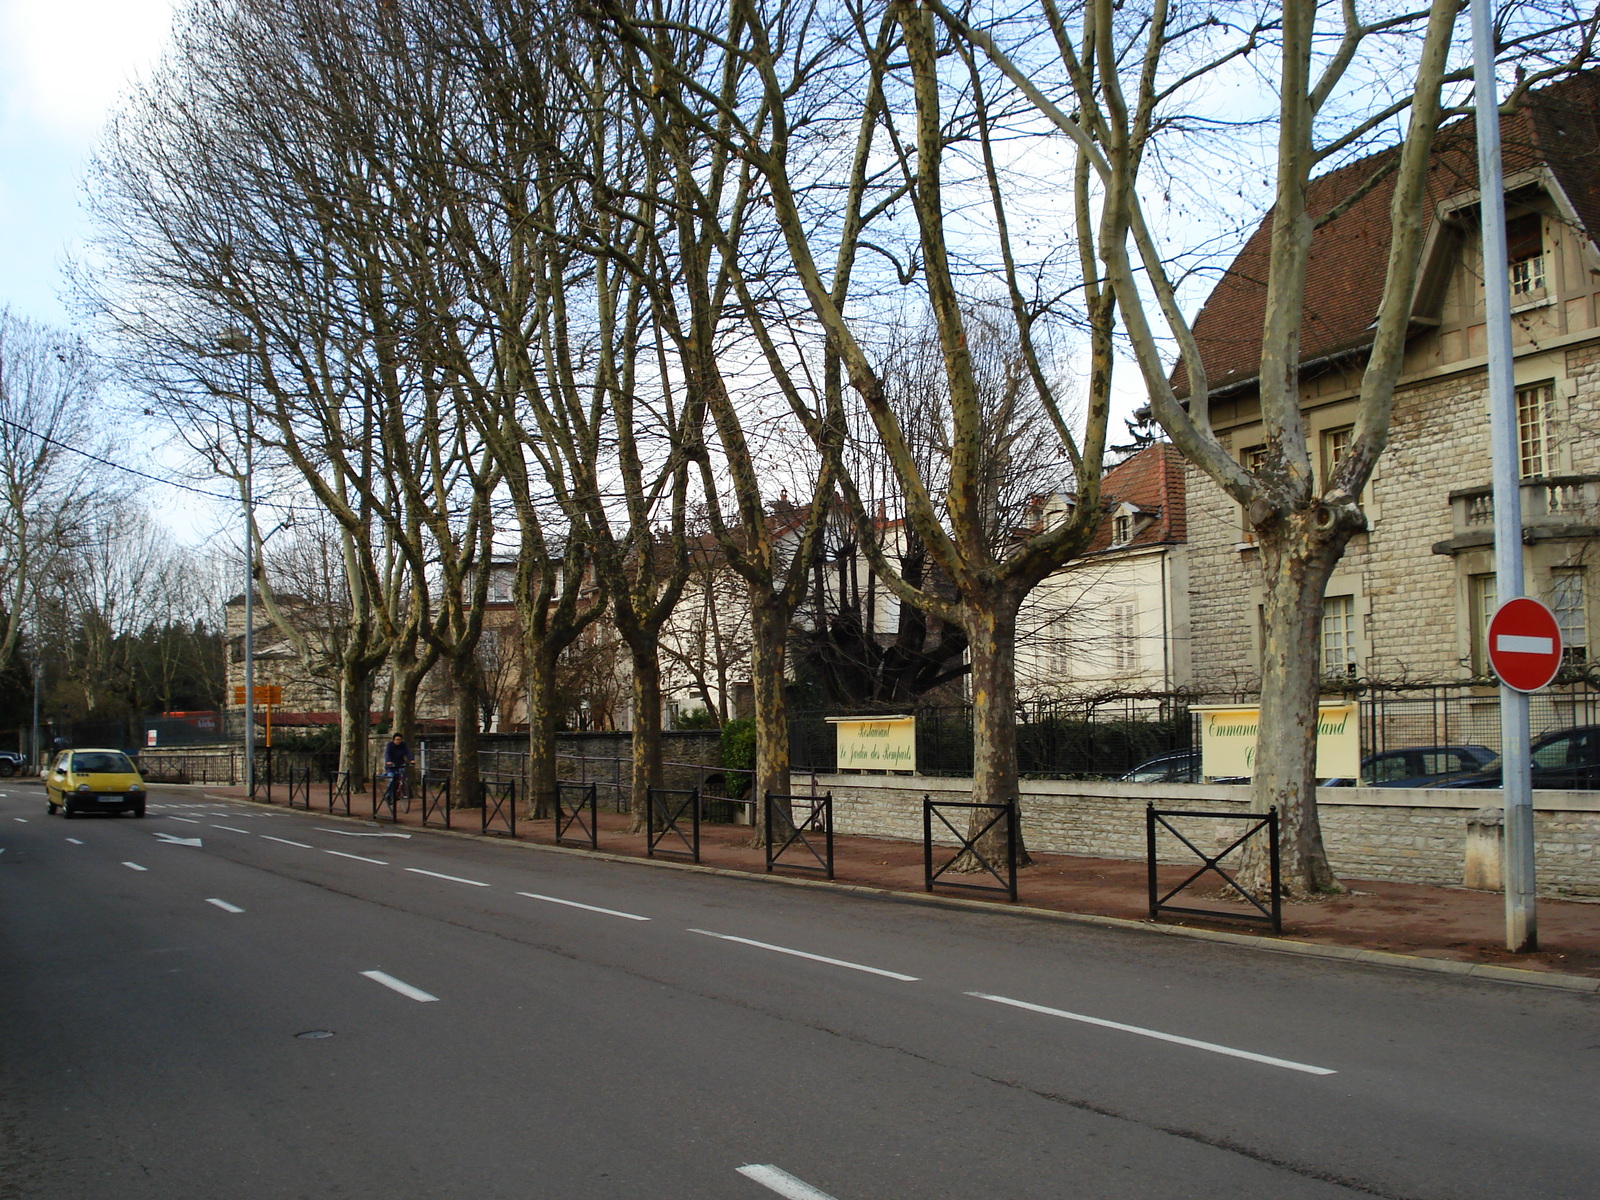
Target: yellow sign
(866, 744)
(265, 694)
(1228, 740)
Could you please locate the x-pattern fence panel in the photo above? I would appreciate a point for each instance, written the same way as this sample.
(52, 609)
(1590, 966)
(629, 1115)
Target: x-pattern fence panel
(435, 801)
(339, 792)
(800, 821)
(385, 799)
(577, 807)
(300, 786)
(1270, 913)
(1003, 872)
(665, 810)
(499, 806)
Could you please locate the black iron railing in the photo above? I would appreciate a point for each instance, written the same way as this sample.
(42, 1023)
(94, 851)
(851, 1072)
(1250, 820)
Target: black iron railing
(435, 801)
(499, 798)
(577, 807)
(1270, 913)
(798, 824)
(665, 812)
(970, 856)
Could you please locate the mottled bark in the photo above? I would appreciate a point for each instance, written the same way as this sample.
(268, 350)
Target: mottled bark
(646, 744)
(769, 634)
(542, 765)
(992, 635)
(464, 778)
(355, 720)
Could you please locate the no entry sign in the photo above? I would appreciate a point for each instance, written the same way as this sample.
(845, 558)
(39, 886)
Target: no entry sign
(1524, 644)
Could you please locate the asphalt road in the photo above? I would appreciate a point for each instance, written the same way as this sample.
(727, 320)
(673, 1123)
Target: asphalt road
(500, 1022)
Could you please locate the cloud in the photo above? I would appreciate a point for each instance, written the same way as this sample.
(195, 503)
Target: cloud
(64, 62)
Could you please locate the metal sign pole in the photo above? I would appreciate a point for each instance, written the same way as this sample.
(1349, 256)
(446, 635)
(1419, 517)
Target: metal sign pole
(1521, 923)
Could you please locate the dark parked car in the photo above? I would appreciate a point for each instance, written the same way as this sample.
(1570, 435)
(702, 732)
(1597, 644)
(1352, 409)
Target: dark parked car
(1177, 766)
(1416, 766)
(10, 763)
(1567, 759)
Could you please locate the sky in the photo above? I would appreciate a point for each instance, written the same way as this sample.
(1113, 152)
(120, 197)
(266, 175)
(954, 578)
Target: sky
(63, 64)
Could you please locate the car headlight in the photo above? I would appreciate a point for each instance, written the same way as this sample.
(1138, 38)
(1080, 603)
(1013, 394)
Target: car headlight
(136, 787)
(83, 787)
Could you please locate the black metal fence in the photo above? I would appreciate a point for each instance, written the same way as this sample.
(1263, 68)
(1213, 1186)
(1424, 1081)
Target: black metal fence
(499, 804)
(798, 822)
(970, 855)
(577, 807)
(339, 792)
(435, 795)
(1270, 913)
(666, 810)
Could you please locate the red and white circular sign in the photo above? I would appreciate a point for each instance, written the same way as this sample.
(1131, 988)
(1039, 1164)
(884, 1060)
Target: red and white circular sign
(1524, 644)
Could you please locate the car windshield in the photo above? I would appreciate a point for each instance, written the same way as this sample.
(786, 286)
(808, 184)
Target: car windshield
(102, 762)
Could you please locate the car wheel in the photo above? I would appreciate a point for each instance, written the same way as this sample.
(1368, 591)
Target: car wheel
(7, 770)
(51, 806)
(66, 809)
(139, 812)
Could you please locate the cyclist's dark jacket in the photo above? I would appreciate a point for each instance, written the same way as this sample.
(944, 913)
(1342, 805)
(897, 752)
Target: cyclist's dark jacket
(396, 754)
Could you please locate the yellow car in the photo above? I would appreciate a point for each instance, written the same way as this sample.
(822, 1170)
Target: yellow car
(94, 781)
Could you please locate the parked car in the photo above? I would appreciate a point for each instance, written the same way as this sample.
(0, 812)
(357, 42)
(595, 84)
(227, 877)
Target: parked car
(10, 763)
(1416, 766)
(94, 781)
(1569, 758)
(1178, 766)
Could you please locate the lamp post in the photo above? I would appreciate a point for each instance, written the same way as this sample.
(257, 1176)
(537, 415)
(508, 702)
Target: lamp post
(237, 341)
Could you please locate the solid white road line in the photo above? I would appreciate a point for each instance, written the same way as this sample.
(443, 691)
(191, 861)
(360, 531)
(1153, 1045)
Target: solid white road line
(225, 906)
(778, 1180)
(75, 841)
(190, 820)
(1287, 1064)
(822, 958)
(135, 866)
(610, 912)
(405, 989)
(435, 874)
(231, 829)
(287, 842)
(23, 820)
(357, 857)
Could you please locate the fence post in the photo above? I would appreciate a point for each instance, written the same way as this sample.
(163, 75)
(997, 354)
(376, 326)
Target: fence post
(927, 843)
(1272, 864)
(1011, 848)
(1150, 856)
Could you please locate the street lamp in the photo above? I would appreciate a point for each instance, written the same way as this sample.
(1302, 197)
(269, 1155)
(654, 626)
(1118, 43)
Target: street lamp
(237, 341)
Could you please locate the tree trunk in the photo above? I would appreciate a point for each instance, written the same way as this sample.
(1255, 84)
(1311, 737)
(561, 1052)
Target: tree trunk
(464, 780)
(542, 767)
(647, 769)
(992, 644)
(1295, 570)
(769, 633)
(355, 722)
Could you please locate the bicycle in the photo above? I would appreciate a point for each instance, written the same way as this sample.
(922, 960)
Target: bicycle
(398, 789)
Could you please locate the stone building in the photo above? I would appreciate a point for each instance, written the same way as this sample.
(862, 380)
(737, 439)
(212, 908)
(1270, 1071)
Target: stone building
(1410, 600)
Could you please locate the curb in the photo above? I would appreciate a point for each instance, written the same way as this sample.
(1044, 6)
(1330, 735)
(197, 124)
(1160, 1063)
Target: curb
(1559, 981)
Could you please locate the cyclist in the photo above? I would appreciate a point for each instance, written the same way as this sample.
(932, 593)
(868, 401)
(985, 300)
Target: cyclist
(396, 758)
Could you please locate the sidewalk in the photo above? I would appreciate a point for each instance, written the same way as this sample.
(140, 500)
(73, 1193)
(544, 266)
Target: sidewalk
(1418, 920)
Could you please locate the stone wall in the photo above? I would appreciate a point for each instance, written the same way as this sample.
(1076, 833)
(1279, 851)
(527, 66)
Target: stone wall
(1398, 834)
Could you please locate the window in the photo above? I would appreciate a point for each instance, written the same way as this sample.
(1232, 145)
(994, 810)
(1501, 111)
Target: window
(1339, 635)
(1335, 445)
(1121, 529)
(1525, 255)
(1254, 458)
(1481, 602)
(1124, 636)
(1533, 428)
(1567, 602)
(1057, 657)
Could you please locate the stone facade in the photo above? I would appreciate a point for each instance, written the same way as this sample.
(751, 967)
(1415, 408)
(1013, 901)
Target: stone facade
(1395, 834)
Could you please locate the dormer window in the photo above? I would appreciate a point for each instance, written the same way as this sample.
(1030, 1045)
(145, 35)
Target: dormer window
(1525, 254)
(1122, 529)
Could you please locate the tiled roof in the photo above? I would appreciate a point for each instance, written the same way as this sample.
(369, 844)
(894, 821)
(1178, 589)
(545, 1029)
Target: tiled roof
(1558, 126)
(1151, 481)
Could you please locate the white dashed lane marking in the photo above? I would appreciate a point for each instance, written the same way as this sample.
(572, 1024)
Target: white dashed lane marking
(778, 1180)
(287, 842)
(190, 820)
(1213, 1047)
(821, 958)
(231, 829)
(420, 871)
(135, 866)
(225, 906)
(610, 912)
(405, 989)
(360, 858)
(75, 841)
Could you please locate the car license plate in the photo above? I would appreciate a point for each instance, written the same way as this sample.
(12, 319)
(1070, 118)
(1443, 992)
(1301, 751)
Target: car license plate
(109, 799)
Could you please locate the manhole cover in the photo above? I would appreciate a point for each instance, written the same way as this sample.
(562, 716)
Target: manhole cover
(311, 1034)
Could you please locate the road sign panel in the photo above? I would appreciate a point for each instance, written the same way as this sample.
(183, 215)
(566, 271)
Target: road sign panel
(1524, 644)
(266, 693)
